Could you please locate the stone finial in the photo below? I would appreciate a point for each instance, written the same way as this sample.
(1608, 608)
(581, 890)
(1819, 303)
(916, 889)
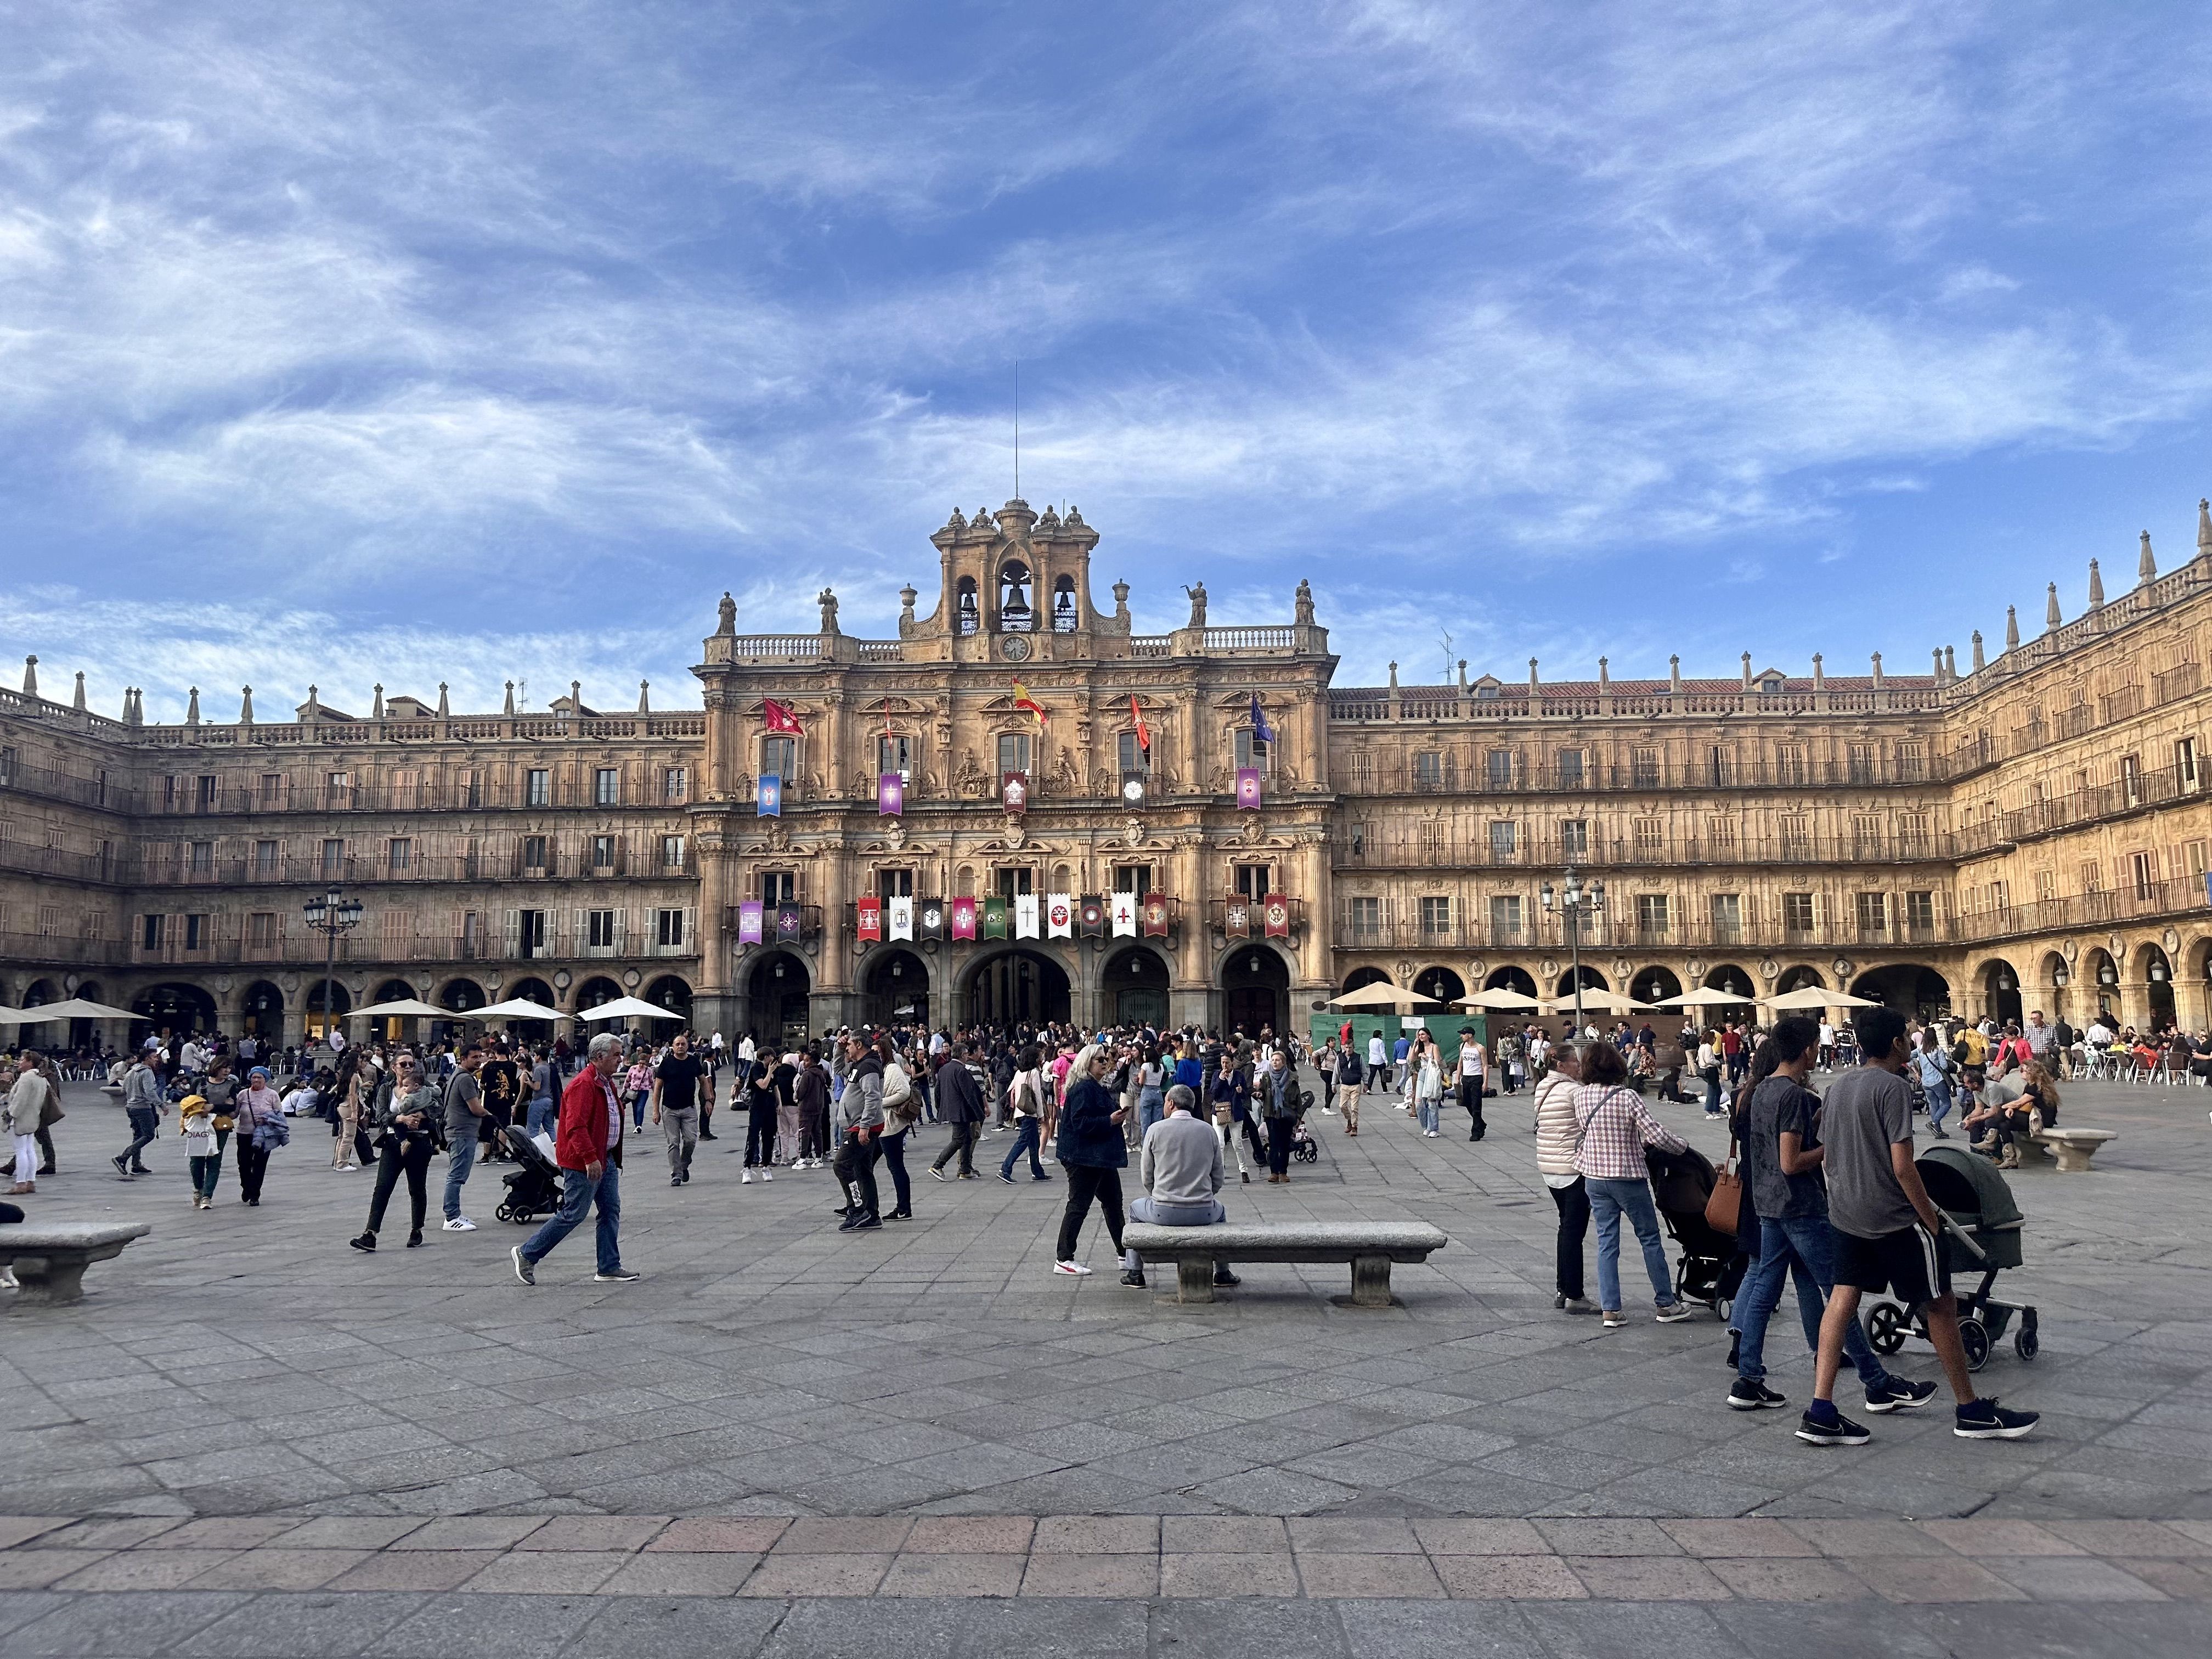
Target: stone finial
(1462, 677)
(1604, 673)
(644, 690)
(246, 706)
(2096, 587)
(2051, 617)
(78, 702)
(376, 702)
(1674, 674)
(1121, 603)
(2203, 527)
(1979, 664)
(726, 614)
(192, 708)
(30, 677)
(1533, 688)
(2146, 566)
(1877, 671)
(1746, 671)
(908, 595)
(315, 702)
(1393, 678)
(130, 694)
(1950, 664)
(508, 709)
(2012, 627)
(1937, 653)
(576, 697)
(1819, 675)
(445, 708)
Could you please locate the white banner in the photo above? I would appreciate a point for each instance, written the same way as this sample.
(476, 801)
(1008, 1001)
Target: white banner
(1025, 915)
(1123, 909)
(1060, 916)
(902, 913)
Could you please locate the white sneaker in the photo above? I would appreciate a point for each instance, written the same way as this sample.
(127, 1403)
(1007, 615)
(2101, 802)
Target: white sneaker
(460, 1224)
(765, 1175)
(1072, 1269)
(746, 1179)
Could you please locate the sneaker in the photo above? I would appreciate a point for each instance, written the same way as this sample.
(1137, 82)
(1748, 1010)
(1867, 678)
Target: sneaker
(414, 1239)
(1899, 1393)
(1135, 1281)
(676, 1180)
(868, 1224)
(460, 1224)
(1223, 1276)
(1614, 1321)
(525, 1269)
(1750, 1396)
(1047, 1177)
(1006, 1176)
(1834, 1430)
(765, 1176)
(122, 1165)
(936, 1174)
(1072, 1269)
(619, 1276)
(366, 1242)
(1675, 1313)
(853, 1218)
(1985, 1419)
(746, 1179)
(1575, 1304)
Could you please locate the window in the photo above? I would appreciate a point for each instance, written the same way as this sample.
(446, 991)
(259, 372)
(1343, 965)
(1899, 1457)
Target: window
(1013, 882)
(399, 854)
(205, 793)
(1127, 879)
(469, 793)
(261, 930)
(2131, 780)
(196, 933)
(1790, 762)
(1652, 919)
(671, 852)
(1502, 841)
(530, 934)
(1866, 837)
(1436, 916)
(265, 858)
(1366, 918)
(1873, 914)
(2142, 873)
(2001, 895)
(1014, 752)
(1727, 917)
(1432, 835)
(1498, 767)
(1133, 755)
(1796, 836)
(270, 788)
(2046, 885)
(599, 929)
(1015, 612)
(1720, 834)
(668, 929)
(2185, 763)
(1920, 915)
(895, 884)
(537, 787)
(2092, 880)
(1505, 915)
(1859, 764)
(2192, 857)
(1569, 767)
(169, 794)
(533, 854)
(1252, 880)
(1643, 768)
(675, 782)
(1574, 838)
(1249, 753)
(1796, 912)
(471, 936)
(201, 858)
(8, 763)
(895, 754)
(1063, 605)
(333, 857)
(337, 789)
(1650, 835)
(606, 786)
(1912, 762)
(1912, 835)
(1720, 766)
(964, 604)
(779, 887)
(1429, 769)
(780, 757)
(150, 932)
(602, 852)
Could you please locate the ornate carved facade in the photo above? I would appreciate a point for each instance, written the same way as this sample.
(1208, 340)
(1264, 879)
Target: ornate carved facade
(2030, 832)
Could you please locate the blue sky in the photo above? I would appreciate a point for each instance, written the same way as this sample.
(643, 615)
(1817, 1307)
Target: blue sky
(411, 342)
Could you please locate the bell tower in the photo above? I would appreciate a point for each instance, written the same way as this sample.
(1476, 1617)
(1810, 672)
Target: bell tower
(1014, 587)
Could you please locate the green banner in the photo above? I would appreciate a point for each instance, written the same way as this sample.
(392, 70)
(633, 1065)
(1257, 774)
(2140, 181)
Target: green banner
(994, 918)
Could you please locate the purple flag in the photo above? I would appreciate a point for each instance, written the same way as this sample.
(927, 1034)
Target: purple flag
(1247, 788)
(748, 922)
(890, 794)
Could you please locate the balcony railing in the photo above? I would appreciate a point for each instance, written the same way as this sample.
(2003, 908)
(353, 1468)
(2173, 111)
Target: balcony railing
(1216, 914)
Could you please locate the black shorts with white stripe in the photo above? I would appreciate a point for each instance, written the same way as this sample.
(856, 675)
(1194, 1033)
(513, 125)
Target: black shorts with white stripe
(1911, 1265)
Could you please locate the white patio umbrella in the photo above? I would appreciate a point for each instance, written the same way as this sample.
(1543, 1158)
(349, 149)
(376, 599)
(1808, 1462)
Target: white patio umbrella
(1816, 996)
(73, 1008)
(627, 1008)
(405, 1007)
(1612, 1002)
(1503, 999)
(1383, 995)
(1705, 996)
(515, 1008)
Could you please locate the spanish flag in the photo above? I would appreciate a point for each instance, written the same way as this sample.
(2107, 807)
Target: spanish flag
(1024, 701)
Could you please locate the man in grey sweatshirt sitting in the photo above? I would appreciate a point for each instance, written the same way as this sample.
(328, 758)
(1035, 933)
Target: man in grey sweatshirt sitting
(1179, 1178)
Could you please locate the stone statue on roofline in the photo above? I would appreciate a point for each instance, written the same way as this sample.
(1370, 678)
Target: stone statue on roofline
(1197, 604)
(728, 612)
(827, 601)
(1305, 606)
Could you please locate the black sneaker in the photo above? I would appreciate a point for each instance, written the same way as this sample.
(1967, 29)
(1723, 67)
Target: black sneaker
(676, 1180)
(1223, 1276)
(1985, 1419)
(1134, 1281)
(853, 1218)
(936, 1174)
(619, 1276)
(1006, 1177)
(366, 1242)
(1838, 1431)
(1750, 1396)
(1899, 1393)
(122, 1165)
(866, 1223)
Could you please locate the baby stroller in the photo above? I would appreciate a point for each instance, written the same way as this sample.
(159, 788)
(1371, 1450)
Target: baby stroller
(1984, 1226)
(1303, 1147)
(533, 1188)
(1711, 1268)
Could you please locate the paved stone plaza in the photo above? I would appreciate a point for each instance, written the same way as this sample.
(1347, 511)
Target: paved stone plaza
(250, 1439)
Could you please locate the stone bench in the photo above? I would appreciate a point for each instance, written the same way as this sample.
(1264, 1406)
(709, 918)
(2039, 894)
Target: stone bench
(1369, 1246)
(2073, 1148)
(49, 1261)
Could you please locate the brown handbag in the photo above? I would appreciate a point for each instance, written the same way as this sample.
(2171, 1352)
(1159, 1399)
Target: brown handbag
(1725, 1208)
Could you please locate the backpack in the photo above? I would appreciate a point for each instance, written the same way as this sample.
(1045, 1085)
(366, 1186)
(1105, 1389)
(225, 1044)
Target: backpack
(900, 1099)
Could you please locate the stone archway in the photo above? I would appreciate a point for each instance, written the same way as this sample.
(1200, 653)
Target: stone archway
(1511, 979)
(2001, 990)
(2154, 971)
(674, 994)
(1439, 985)
(1133, 988)
(1908, 987)
(1255, 990)
(262, 1012)
(1367, 975)
(779, 1000)
(895, 985)
(1018, 986)
(1654, 984)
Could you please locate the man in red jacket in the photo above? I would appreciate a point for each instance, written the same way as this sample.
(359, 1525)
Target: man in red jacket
(587, 1145)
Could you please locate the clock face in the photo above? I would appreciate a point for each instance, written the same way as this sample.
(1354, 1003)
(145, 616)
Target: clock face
(1017, 648)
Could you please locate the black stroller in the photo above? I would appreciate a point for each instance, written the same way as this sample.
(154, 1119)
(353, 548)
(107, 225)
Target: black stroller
(1303, 1147)
(1711, 1268)
(533, 1188)
(1984, 1227)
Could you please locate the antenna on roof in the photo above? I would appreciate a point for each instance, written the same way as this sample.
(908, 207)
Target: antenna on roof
(1018, 428)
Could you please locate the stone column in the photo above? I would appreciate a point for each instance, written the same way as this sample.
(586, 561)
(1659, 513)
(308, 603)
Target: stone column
(2135, 1003)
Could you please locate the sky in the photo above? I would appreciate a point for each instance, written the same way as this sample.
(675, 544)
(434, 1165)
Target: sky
(410, 342)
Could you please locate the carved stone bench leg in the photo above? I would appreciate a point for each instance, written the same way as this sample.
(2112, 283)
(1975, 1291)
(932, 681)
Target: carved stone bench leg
(1195, 1278)
(49, 1281)
(1370, 1281)
(2072, 1158)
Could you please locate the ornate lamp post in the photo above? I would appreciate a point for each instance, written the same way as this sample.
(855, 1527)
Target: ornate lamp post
(331, 913)
(1572, 902)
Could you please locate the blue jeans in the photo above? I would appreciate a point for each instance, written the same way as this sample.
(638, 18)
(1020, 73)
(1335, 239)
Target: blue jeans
(1147, 1208)
(459, 1160)
(1939, 1102)
(1026, 1131)
(577, 1190)
(1151, 1109)
(541, 1116)
(1609, 1200)
(1805, 1248)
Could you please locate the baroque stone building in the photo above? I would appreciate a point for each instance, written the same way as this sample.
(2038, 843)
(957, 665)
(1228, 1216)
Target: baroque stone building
(2028, 831)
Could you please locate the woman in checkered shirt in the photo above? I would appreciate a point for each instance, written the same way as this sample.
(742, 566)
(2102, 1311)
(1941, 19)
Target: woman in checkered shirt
(1615, 1129)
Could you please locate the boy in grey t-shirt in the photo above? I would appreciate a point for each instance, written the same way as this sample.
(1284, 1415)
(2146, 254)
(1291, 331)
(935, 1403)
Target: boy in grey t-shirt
(1889, 1235)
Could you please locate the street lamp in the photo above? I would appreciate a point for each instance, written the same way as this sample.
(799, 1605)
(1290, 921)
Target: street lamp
(1572, 902)
(330, 914)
